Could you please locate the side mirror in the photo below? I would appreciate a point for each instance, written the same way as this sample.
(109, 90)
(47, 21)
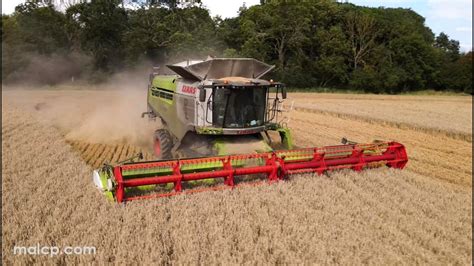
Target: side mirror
(202, 95)
(283, 92)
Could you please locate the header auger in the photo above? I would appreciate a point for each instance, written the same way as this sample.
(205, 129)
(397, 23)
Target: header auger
(216, 116)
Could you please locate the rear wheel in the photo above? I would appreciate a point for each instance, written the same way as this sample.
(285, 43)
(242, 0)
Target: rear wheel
(162, 144)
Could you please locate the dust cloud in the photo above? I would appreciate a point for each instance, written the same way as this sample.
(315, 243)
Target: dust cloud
(50, 70)
(108, 113)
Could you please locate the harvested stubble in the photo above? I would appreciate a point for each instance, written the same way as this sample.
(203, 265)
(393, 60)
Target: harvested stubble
(447, 115)
(376, 217)
(96, 155)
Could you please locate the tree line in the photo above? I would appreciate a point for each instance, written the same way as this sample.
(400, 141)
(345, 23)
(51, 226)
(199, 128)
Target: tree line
(320, 43)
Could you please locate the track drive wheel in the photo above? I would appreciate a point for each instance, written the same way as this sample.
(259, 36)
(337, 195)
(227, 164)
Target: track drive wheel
(162, 144)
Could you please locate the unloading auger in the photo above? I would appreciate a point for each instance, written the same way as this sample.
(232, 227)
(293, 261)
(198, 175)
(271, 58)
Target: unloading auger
(216, 116)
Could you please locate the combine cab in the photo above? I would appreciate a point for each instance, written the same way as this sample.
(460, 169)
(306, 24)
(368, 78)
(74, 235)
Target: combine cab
(220, 113)
(215, 107)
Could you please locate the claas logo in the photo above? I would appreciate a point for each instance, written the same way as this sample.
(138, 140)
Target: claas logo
(188, 89)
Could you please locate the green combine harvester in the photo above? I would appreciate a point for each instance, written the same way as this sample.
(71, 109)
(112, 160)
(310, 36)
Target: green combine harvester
(216, 122)
(208, 107)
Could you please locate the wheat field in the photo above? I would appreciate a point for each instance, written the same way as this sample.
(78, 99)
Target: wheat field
(449, 115)
(50, 144)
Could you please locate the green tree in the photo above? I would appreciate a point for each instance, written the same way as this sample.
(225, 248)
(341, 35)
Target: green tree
(147, 35)
(275, 32)
(98, 27)
(401, 58)
(362, 33)
(448, 56)
(330, 66)
(457, 75)
(31, 33)
(159, 34)
(312, 43)
(449, 47)
(41, 28)
(12, 47)
(172, 4)
(230, 33)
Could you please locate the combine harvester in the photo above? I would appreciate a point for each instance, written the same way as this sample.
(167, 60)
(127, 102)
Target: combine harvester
(217, 116)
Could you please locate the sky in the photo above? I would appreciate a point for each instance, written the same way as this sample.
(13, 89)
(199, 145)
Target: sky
(453, 17)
